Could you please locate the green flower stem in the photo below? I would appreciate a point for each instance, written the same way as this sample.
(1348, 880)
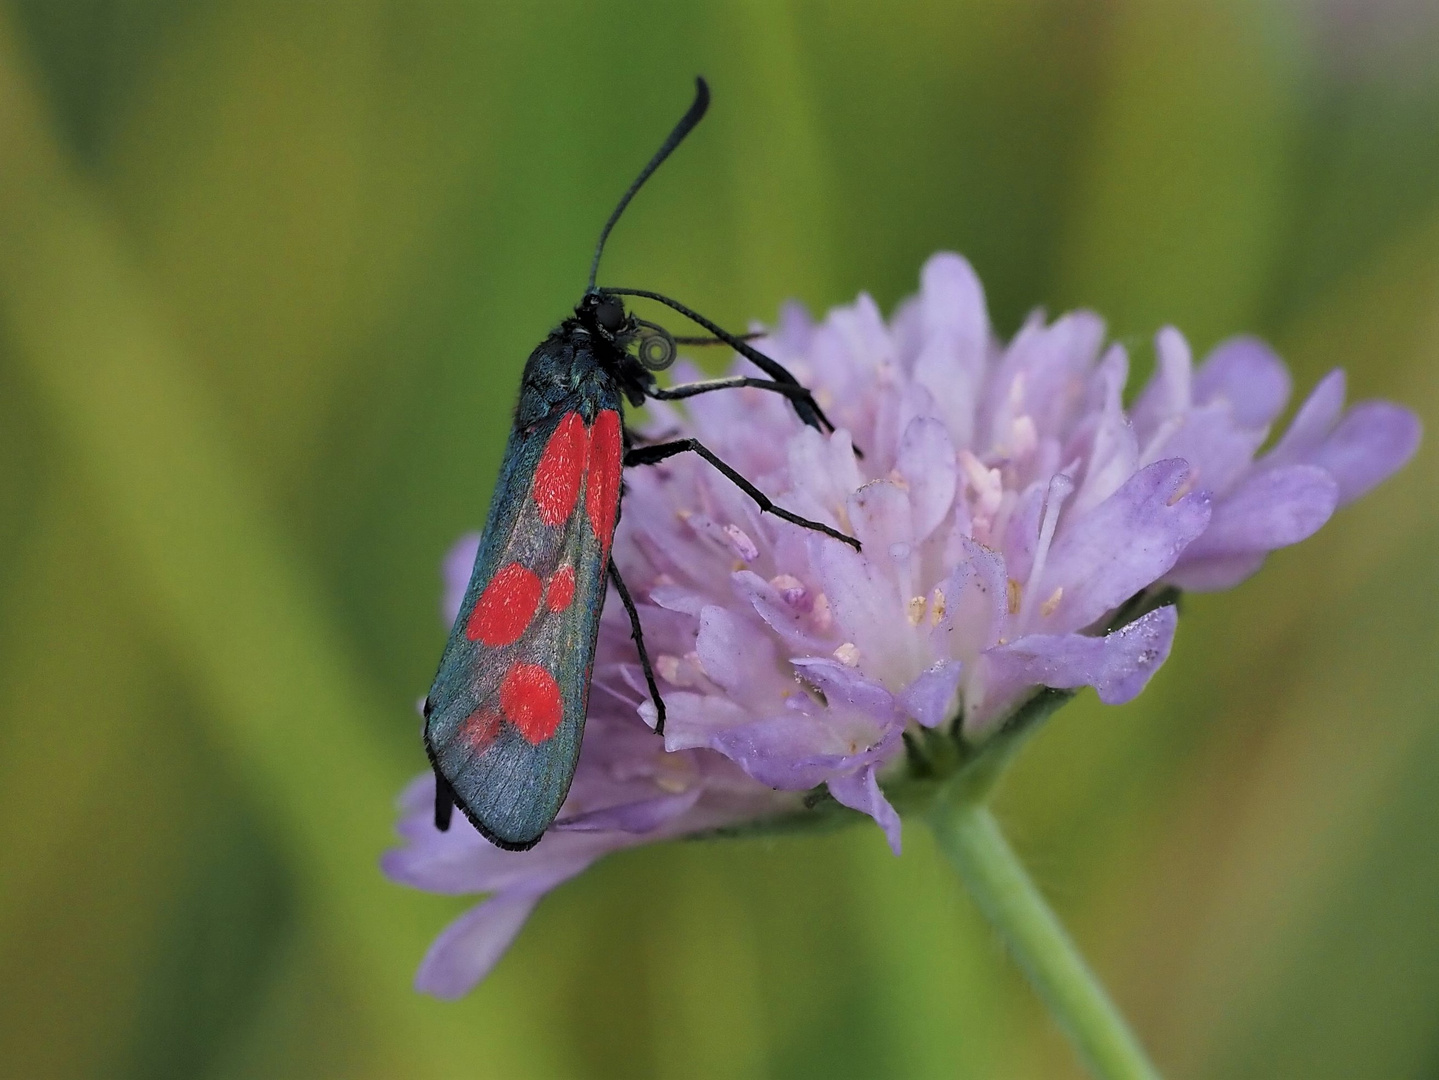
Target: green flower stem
(970, 837)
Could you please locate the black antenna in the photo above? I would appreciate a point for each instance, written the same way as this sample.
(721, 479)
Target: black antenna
(683, 128)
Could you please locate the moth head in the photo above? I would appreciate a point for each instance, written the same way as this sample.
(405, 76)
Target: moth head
(604, 314)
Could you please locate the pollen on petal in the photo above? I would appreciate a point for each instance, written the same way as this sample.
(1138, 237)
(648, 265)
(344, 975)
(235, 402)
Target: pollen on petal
(560, 592)
(530, 699)
(602, 496)
(560, 469)
(506, 606)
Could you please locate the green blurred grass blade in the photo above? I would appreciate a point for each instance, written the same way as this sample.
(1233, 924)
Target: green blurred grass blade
(227, 595)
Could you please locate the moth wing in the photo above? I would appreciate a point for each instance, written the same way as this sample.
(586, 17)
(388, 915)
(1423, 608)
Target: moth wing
(505, 715)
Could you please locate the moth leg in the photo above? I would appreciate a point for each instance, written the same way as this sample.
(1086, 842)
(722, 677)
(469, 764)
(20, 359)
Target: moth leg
(797, 393)
(444, 802)
(633, 438)
(657, 452)
(638, 634)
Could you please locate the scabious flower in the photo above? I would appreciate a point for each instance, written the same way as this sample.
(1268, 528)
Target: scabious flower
(1021, 529)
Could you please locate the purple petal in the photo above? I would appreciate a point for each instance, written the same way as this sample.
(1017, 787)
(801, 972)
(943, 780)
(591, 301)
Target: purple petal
(823, 470)
(789, 619)
(860, 791)
(641, 816)
(1215, 574)
(1312, 423)
(1117, 665)
(928, 465)
(735, 653)
(865, 601)
(1124, 544)
(1169, 393)
(952, 360)
(453, 863)
(799, 748)
(471, 945)
(930, 699)
(455, 574)
(691, 720)
(1271, 509)
(1372, 442)
(976, 602)
(1218, 449)
(843, 685)
(790, 752)
(1021, 536)
(1246, 374)
(1114, 451)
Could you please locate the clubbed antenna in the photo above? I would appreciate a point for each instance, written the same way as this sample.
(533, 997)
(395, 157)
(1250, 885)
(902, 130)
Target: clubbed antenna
(687, 122)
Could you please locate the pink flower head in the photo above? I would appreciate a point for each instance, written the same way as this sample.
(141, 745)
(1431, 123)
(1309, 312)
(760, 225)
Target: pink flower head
(1020, 530)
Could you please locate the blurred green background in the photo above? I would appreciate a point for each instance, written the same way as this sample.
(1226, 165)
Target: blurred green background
(268, 272)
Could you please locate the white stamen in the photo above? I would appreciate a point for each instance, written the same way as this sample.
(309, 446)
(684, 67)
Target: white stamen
(1023, 437)
(1059, 490)
(987, 484)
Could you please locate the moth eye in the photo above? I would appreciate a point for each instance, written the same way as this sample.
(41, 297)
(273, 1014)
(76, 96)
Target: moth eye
(610, 314)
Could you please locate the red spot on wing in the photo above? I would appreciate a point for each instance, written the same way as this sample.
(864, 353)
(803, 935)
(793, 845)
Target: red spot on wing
(561, 467)
(560, 592)
(506, 606)
(530, 699)
(480, 728)
(602, 496)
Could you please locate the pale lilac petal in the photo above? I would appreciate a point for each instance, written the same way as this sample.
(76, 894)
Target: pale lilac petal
(1039, 377)
(792, 752)
(1170, 393)
(641, 816)
(1312, 424)
(789, 613)
(1113, 445)
(864, 597)
(843, 685)
(692, 719)
(1271, 509)
(1371, 442)
(1215, 573)
(455, 573)
(952, 360)
(1124, 544)
(1117, 665)
(733, 652)
(1219, 451)
(976, 602)
(470, 946)
(929, 468)
(930, 699)
(860, 791)
(1247, 375)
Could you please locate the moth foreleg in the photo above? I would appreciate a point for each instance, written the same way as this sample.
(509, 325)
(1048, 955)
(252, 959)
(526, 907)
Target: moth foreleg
(637, 632)
(657, 452)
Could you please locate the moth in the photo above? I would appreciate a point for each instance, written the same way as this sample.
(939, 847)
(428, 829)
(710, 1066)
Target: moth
(505, 715)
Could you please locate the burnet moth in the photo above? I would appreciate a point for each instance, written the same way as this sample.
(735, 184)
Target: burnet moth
(504, 717)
